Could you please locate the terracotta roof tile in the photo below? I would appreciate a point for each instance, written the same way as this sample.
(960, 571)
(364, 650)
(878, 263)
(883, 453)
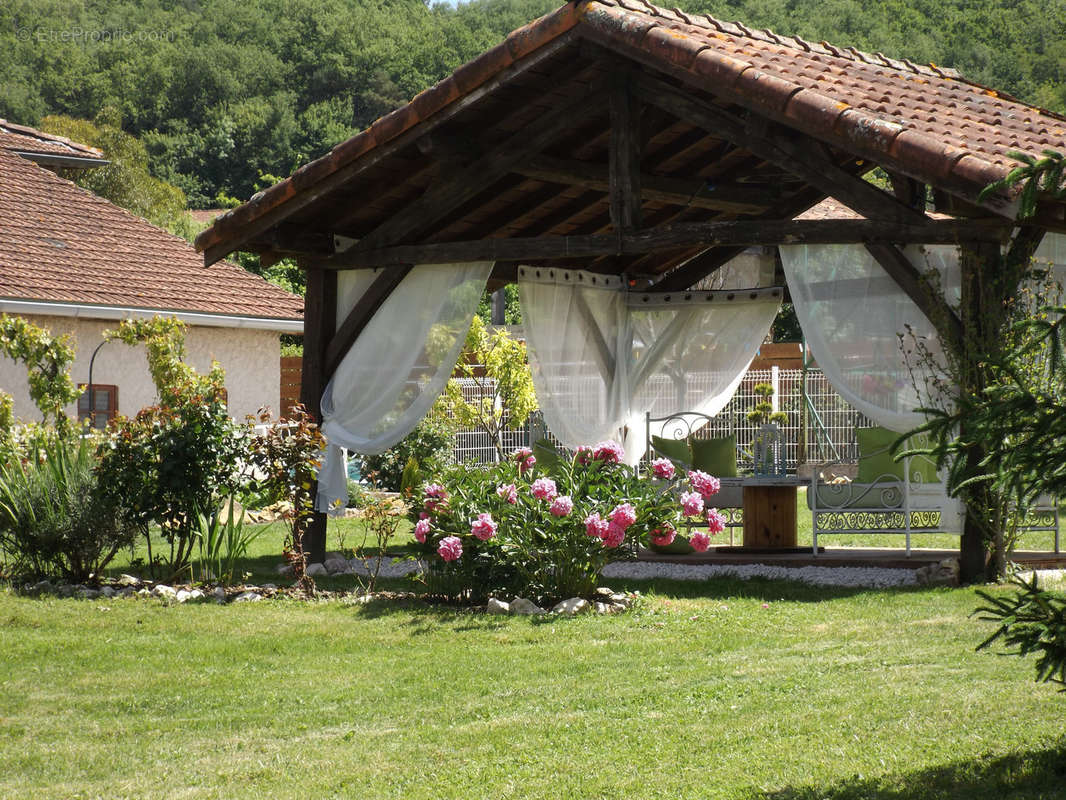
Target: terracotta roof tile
(30, 140)
(944, 127)
(61, 243)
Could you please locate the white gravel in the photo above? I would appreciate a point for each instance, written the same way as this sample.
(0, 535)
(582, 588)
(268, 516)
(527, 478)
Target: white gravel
(826, 576)
(874, 577)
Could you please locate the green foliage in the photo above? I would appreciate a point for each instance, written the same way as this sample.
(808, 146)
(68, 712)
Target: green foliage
(126, 181)
(381, 520)
(54, 520)
(223, 540)
(164, 341)
(47, 359)
(534, 552)
(429, 444)
(1032, 620)
(496, 363)
(168, 464)
(1041, 177)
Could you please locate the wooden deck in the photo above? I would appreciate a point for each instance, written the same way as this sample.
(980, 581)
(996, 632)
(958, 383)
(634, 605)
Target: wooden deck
(885, 557)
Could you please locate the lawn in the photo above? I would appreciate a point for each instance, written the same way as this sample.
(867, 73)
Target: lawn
(753, 690)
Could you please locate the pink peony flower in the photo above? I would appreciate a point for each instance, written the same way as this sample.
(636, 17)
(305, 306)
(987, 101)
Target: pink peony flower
(450, 548)
(436, 490)
(700, 541)
(623, 515)
(663, 536)
(610, 452)
(422, 528)
(706, 485)
(484, 527)
(595, 526)
(615, 535)
(562, 506)
(583, 454)
(692, 504)
(715, 520)
(663, 468)
(544, 489)
(423, 515)
(508, 491)
(525, 458)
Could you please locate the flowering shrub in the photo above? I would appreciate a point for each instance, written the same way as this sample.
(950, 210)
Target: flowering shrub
(512, 529)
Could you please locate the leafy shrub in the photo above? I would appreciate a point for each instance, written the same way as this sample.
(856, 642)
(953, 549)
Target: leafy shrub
(542, 528)
(167, 464)
(1033, 620)
(53, 518)
(429, 444)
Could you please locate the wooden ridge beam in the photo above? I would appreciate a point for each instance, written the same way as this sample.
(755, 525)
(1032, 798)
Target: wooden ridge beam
(624, 155)
(695, 234)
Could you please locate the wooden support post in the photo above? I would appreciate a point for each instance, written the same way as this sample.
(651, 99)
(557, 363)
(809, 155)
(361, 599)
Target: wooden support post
(320, 321)
(624, 163)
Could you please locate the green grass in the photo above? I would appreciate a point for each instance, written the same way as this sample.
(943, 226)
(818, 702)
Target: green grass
(701, 692)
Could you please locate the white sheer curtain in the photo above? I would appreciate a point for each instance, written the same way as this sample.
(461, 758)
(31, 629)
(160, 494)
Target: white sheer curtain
(853, 315)
(602, 358)
(399, 364)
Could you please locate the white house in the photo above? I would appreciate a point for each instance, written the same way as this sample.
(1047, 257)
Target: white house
(73, 262)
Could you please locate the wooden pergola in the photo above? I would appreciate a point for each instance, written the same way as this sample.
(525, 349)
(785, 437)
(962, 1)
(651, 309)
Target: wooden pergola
(617, 137)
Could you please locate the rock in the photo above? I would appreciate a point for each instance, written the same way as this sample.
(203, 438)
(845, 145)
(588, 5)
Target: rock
(270, 587)
(164, 591)
(571, 607)
(128, 580)
(107, 591)
(185, 595)
(603, 594)
(219, 594)
(248, 597)
(337, 565)
(497, 607)
(126, 591)
(524, 607)
(88, 594)
(284, 569)
(603, 608)
(66, 590)
(621, 600)
(41, 587)
(316, 570)
(145, 592)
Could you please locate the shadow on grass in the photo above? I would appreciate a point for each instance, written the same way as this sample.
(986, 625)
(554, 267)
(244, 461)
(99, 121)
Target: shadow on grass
(726, 587)
(1027, 775)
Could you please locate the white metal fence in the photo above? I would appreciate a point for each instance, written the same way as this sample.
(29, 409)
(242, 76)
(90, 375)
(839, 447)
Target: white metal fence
(820, 427)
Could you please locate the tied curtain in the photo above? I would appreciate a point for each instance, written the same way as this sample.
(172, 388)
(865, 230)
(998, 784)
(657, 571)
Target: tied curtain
(862, 328)
(602, 358)
(400, 363)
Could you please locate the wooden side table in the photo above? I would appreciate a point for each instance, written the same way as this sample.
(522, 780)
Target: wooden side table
(770, 513)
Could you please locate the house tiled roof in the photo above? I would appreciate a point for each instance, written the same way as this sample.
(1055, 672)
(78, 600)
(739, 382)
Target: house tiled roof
(25, 139)
(926, 122)
(60, 243)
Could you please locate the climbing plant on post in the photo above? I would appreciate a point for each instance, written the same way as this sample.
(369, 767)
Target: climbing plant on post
(47, 359)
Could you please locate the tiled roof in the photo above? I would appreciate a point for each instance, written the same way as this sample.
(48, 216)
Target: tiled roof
(60, 243)
(925, 121)
(30, 140)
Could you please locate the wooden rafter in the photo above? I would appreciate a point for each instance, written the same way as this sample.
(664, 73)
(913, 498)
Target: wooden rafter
(624, 155)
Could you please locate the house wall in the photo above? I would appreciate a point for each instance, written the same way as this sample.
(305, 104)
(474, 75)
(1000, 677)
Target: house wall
(251, 359)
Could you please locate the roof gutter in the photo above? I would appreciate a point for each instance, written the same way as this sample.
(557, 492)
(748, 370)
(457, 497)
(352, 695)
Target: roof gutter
(58, 160)
(124, 312)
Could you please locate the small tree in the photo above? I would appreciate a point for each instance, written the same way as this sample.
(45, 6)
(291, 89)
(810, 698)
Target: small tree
(47, 359)
(496, 363)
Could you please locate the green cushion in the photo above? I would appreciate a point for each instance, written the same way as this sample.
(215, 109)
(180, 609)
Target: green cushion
(876, 461)
(679, 546)
(677, 450)
(716, 456)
